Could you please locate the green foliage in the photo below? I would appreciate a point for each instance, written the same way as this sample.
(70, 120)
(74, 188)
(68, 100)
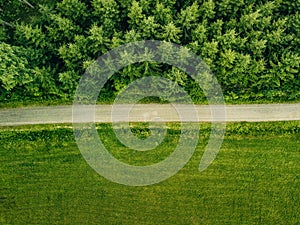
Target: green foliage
(68, 80)
(252, 47)
(162, 14)
(27, 35)
(73, 54)
(106, 13)
(171, 33)
(19, 76)
(97, 40)
(3, 34)
(62, 29)
(135, 15)
(12, 11)
(43, 83)
(188, 20)
(14, 67)
(207, 10)
(148, 28)
(74, 10)
(200, 33)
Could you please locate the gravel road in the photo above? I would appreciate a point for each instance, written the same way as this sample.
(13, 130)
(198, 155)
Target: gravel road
(148, 112)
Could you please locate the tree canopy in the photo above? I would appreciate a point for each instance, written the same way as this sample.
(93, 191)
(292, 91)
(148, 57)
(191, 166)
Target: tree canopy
(252, 46)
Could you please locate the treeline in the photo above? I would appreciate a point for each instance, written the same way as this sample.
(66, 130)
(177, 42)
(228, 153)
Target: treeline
(252, 46)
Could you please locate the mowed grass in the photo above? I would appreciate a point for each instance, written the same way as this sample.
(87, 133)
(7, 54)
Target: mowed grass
(255, 179)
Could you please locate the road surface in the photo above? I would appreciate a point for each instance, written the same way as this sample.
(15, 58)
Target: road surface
(148, 112)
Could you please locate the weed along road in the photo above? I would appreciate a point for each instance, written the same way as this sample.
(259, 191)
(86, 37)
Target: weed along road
(148, 112)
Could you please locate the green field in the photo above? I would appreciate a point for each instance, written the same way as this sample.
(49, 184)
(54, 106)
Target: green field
(255, 179)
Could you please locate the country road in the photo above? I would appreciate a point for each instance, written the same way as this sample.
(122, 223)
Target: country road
(148, 112)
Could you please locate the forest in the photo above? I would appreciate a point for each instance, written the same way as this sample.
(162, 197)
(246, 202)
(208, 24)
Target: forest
(252, 46)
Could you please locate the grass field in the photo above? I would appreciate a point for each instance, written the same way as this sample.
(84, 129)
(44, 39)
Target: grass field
(255, 179)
